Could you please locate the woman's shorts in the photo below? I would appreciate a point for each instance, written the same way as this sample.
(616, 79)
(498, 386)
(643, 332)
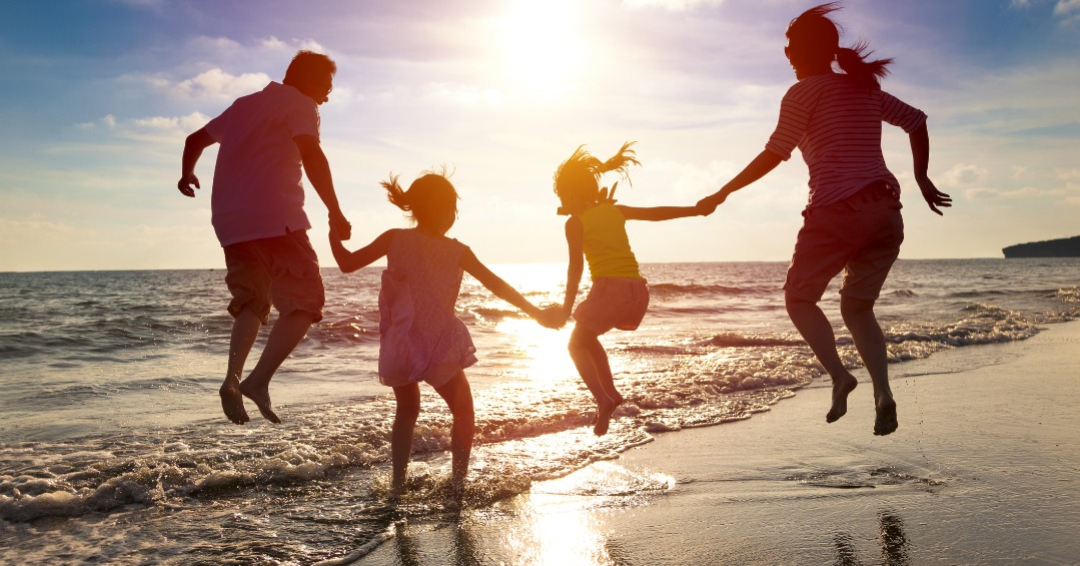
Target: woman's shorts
(860, 235)
(282, 270)
(613, 302)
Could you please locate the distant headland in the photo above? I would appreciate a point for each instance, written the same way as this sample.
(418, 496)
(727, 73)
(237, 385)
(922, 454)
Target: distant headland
(1062, 247)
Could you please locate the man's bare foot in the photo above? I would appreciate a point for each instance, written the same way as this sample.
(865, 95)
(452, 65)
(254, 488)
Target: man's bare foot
(232, 402)
(261, 398)
(885, 423)
(841, 388)
(603, 415)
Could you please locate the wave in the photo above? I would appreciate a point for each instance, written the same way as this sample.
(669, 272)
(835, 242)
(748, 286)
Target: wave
(673, 289)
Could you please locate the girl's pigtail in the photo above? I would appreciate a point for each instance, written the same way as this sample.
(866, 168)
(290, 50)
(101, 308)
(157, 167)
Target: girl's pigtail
(620, 162)
(395, 194)
(855, 62)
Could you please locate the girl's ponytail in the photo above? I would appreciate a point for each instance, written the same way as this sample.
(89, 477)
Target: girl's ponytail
(620, 162)
(395, 194)
(854, 61)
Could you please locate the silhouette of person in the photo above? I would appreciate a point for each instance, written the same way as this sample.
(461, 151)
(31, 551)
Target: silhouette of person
(258, 215)
(852, 221)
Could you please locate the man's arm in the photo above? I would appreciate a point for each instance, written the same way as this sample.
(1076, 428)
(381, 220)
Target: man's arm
(318, 172)
(193, 148)
(659, 213)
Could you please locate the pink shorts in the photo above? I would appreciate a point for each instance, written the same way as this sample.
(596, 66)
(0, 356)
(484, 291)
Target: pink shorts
(860, 235)
(613, 302)
(282, 270)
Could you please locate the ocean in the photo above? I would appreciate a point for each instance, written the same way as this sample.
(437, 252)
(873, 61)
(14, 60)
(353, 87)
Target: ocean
(113, 448)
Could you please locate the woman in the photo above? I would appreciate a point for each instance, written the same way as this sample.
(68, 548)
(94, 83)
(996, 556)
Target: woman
(852, 221)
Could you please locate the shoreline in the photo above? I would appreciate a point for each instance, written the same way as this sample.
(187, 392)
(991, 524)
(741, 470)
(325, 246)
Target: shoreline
(984, 468)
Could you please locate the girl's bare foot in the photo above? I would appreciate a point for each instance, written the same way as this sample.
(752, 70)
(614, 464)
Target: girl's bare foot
(603, 415)
(885, 423)
(261, 398)
(841, 388)
(232, 402)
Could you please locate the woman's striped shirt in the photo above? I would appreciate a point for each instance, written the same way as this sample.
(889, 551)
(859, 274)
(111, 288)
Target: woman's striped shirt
(836, 124)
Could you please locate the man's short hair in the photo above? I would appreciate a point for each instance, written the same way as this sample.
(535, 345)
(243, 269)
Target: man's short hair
(307, 67)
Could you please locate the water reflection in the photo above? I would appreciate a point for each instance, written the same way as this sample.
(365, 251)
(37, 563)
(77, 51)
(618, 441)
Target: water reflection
(891, 538)
(557, 522)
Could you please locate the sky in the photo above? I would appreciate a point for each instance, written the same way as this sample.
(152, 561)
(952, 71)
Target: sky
(97, 96)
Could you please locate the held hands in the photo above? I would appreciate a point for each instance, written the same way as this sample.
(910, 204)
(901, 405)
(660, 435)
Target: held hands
(340, 229)
(185, 183)
(933, 196)
(552, 316)
(707, 205)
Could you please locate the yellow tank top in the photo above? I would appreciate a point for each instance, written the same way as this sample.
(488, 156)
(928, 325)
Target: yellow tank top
(607, 249)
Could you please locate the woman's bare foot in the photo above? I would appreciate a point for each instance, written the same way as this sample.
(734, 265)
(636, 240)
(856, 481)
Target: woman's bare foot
(261, 398)
(603, 415)
(885, 423)
(232, 402)
(841, 388)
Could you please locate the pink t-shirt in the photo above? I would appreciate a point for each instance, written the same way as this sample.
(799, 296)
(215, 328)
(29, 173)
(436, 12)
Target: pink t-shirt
(258, 190)
(836, 124)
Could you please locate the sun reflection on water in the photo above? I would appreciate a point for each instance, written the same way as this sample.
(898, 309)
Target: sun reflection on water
(561, 521)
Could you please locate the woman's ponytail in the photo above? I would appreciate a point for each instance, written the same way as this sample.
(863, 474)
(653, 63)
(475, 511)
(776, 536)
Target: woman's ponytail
(854, 61)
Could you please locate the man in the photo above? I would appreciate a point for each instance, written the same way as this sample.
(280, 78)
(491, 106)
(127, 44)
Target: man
(258, 215)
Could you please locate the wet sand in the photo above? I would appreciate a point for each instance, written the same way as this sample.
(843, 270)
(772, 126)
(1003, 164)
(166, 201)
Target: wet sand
(985, 468)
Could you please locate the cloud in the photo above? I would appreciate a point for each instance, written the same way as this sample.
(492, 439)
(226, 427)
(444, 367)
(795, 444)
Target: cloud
(217, 84)
(188, 123)
(1067, 8)
(963, 174)
(673, 5)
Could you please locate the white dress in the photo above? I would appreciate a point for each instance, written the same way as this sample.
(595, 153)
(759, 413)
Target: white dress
(421, 338)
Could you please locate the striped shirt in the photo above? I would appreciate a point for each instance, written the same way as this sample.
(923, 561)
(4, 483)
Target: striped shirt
(836, 124)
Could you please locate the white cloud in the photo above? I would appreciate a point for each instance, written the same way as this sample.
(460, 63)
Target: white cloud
(673, 5)
(1067, 7)
(218, 84)
(188, 123)
(963, 174)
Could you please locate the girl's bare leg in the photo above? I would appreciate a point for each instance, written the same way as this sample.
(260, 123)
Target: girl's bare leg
(592, 364)
(458, 397)
(401, 436)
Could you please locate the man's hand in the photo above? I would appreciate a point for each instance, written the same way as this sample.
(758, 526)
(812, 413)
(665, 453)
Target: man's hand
(933, 196)
(339, 226)
(185, 183)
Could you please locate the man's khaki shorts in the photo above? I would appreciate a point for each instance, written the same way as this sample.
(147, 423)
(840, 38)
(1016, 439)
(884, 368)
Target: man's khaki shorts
(282, 270)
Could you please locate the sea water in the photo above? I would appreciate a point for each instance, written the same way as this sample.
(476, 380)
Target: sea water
(113, 448)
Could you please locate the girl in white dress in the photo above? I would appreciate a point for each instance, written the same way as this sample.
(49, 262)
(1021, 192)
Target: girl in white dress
(421, 339)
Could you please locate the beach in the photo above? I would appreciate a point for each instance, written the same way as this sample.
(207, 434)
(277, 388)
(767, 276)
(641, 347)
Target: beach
(113, 449)
(984, 469)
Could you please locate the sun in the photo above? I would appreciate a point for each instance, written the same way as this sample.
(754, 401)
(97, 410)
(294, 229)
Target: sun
(543, 44)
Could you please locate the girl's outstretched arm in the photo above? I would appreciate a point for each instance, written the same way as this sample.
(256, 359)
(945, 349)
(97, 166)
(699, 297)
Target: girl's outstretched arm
(496, 285)
(659, 213)
(351, 261)
(575, 243)
(765, 162)
(920, 153)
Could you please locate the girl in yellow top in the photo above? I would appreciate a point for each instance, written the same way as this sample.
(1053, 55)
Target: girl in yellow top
(619, 295)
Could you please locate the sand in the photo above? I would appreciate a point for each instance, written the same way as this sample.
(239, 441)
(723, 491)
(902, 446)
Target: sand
(984, 469)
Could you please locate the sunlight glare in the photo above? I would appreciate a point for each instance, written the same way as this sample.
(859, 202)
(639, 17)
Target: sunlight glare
(543, 44)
